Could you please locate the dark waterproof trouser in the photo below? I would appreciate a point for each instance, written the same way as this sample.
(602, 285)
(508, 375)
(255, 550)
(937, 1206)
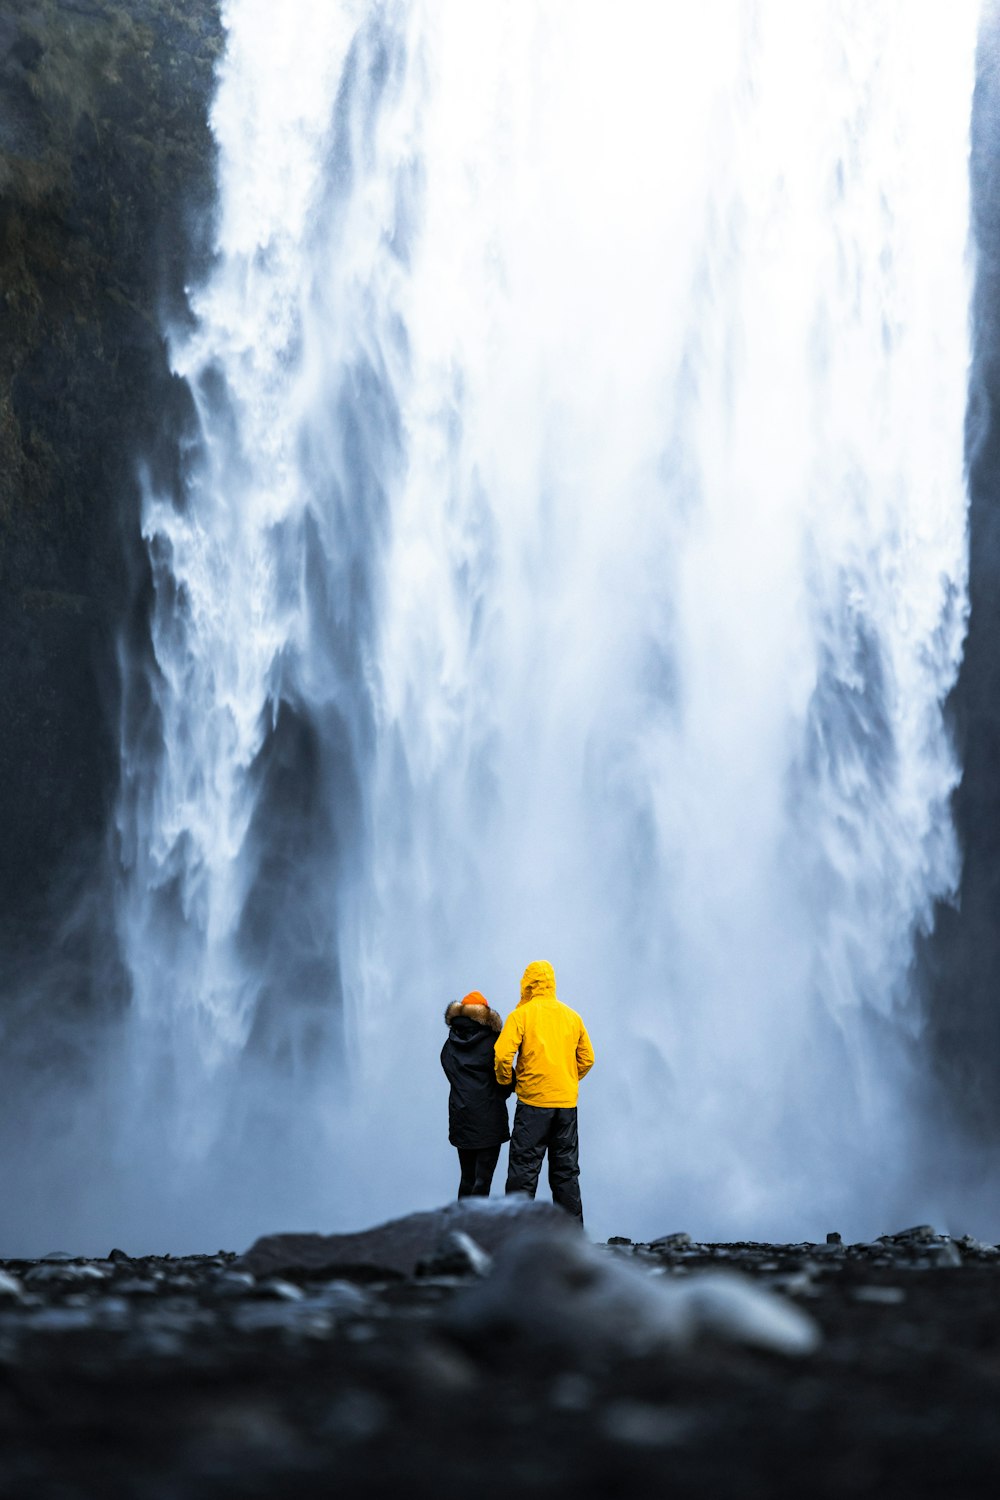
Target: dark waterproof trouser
(477, 1171)
(535, 1132)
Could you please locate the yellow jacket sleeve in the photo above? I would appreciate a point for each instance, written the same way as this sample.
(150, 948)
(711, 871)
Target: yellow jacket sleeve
(507, 1045)
(584, 1052)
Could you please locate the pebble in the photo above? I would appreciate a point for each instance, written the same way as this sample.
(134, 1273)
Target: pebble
(234, 1284)
(64, 1271)
(357, 1415)
(292, 1317)
(436, 1365)
(111, 1310)
(642, 1425)
(458, 1254)
(344, 1299)
(10, 1288)
(284, 1291)
(550, 1288)
(945, 1254)
(678, 1241)
(919, 1234)
(61, 1319)
(571, 1392)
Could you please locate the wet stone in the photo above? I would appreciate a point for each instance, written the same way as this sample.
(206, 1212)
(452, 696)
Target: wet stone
(457, 1255)
(919, 1234)
(234, 1284)
(886, 1296)
(10, 1287)
(678, 1241)
(641, 1424)
(63, 1272)
(344, 1299)
(944, 1255)
(357, 1415)
(284, 1291)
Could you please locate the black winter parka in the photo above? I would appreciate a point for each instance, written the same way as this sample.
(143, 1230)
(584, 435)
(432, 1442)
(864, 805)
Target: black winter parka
(477, 1104)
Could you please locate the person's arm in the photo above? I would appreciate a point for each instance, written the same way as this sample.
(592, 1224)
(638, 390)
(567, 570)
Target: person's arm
(506, 1048)
(584, 1053)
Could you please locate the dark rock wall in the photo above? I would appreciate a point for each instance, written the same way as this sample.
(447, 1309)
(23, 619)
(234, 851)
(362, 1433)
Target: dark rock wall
(963, 957)
(106, 182)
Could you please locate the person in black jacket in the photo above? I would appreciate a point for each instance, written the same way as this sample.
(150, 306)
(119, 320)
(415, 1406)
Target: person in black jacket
(477, 1105)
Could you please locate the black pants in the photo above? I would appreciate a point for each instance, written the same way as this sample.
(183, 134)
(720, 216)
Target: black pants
(535, 1132)
(477, 1171)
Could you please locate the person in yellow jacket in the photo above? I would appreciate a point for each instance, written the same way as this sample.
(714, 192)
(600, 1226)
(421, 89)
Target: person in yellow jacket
(553, 1053)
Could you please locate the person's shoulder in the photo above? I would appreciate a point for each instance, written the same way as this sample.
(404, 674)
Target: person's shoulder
(574, 1013)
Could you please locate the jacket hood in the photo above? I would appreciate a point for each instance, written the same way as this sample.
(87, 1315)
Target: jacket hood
(482, 1015)
(538, 982)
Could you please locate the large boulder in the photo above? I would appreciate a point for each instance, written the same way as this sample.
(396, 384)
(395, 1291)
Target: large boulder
(398, 1247)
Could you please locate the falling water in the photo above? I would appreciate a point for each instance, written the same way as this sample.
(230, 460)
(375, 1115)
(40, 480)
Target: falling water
(569, 563)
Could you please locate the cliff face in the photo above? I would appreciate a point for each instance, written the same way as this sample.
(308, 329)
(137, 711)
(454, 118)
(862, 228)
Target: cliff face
(106, 172)
(962, 959)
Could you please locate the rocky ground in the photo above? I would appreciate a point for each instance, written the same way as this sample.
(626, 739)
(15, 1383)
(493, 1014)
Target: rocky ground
(549, 1367)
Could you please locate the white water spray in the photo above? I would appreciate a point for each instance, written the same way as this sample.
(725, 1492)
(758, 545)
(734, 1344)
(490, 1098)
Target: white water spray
(571, 565)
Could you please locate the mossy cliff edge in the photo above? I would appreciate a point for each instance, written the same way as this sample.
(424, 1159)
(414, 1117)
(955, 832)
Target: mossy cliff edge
(106, 173)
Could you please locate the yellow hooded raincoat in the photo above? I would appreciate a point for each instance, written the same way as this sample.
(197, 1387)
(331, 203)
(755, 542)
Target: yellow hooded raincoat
(549, 1040)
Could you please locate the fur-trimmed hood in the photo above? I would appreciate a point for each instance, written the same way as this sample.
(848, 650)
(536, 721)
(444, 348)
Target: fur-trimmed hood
(481, 1014)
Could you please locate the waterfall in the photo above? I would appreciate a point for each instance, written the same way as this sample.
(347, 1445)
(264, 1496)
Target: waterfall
(568, 562)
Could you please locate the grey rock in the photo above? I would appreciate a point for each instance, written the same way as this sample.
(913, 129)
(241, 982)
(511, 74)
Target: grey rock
(10, 1288)
(918, 1235)
(678, 1241)
(945, 1254)
(970, 1246)
(61, 1320)
(64, 1271)
(293, 1317)
(640, 1424)
(282, 1291)
(560, 1290)
(344, 1299)
(457, 1255)
(571, 1392)
(357, 1415)
(399, 1246)
(111, 1311)
(234, 1284)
